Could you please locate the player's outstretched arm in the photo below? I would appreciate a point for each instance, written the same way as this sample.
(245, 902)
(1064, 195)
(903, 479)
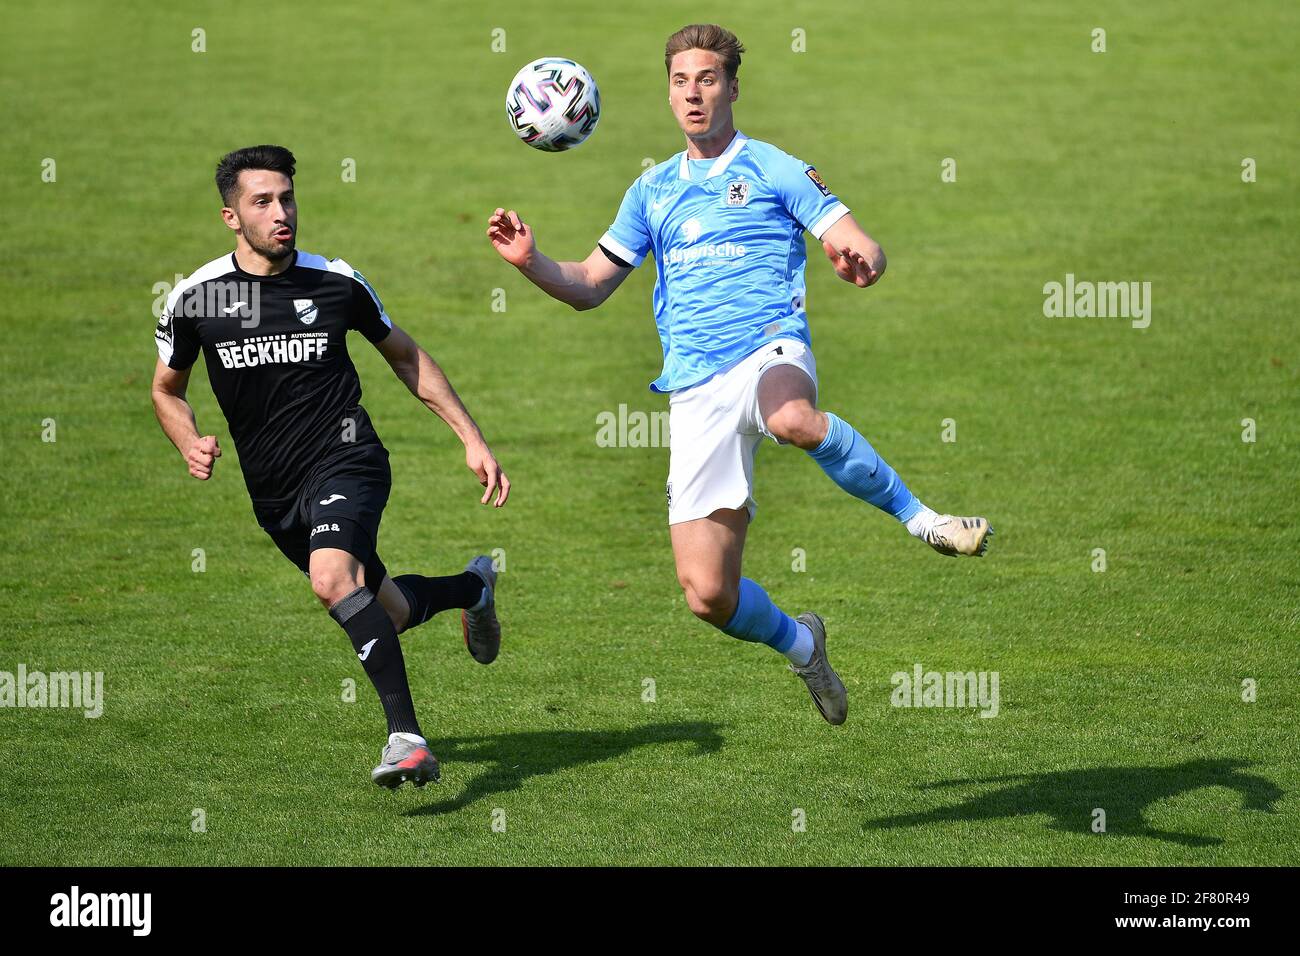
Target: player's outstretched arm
(422, 375)
(583, 285)
(177, 420)
(857, 257)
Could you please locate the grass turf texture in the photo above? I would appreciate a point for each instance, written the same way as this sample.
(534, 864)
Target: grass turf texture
(1119, 690)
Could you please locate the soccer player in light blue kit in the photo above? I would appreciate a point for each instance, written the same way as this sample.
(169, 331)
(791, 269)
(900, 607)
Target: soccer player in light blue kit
(725, 221)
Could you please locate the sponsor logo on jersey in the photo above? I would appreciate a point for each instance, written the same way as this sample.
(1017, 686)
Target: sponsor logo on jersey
(737, 192)
(811, 173)
(305, 310)
(709, 250)
(691, 230)
(332, 526)
(693, 251)
(273, 350)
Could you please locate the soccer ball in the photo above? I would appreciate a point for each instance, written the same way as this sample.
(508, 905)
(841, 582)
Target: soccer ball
(553, 104)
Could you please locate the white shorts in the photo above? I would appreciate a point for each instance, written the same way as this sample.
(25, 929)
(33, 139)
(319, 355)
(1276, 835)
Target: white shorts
(715, 428)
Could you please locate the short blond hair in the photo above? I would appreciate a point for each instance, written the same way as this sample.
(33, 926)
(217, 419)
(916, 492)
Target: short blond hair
(705, 36)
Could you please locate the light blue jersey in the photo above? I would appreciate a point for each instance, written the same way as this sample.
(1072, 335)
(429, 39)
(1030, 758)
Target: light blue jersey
(730, 251)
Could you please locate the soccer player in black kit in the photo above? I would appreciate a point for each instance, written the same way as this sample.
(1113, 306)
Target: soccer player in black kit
(272, 324)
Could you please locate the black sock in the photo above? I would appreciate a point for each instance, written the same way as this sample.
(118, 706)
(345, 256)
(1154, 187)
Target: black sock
(375, 641)
(428, 596)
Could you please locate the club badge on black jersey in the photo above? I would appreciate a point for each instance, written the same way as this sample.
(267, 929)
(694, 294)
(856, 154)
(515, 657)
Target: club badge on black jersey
(277, 358)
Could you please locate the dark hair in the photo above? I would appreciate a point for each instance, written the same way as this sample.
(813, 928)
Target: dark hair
(275, 158)
(705, 36)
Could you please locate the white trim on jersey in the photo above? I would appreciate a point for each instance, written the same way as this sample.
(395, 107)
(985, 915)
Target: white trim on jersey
(833, 215)
(720, 164)
(166, 340)
(309, 260)
(220, 266)
(312, 261)
(620, 250)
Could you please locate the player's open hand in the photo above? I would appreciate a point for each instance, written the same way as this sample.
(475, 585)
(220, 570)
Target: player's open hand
(202, 457)
(511, 237)
(482, 462)
(851, 266)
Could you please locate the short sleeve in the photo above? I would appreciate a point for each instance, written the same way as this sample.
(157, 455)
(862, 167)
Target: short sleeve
(806, 197)
(367, 316)
(629, 237)
(176, 337)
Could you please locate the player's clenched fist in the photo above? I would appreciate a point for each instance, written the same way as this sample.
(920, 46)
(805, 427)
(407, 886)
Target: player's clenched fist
(511, 237)
(203, 454)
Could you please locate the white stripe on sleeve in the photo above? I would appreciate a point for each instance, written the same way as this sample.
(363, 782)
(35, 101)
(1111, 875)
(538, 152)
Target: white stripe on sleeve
(833, 215)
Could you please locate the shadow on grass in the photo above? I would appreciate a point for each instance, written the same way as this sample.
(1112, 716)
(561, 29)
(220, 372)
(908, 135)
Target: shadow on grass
(513, 758)
(1070, 796)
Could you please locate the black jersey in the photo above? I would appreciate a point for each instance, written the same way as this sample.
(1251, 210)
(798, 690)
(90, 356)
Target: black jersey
(277, 357)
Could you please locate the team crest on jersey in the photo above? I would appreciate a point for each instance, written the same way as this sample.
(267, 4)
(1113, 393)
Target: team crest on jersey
(305, 310)
(811, 173)
(737, 192)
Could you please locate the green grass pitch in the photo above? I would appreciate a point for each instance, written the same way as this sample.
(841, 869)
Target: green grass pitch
(1120, 690)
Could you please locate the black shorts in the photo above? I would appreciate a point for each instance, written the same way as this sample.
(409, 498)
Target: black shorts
(339, 507)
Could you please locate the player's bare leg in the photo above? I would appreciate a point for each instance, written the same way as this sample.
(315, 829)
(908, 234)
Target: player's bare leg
(787, 401)
(338, 580)
(395, 603)
(708, 554)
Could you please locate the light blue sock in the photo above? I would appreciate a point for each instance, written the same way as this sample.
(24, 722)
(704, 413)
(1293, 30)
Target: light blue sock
(854, 465)
(757, 619)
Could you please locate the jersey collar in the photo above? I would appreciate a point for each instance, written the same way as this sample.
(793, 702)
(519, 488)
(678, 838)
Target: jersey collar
(720, 164)
(271, 278)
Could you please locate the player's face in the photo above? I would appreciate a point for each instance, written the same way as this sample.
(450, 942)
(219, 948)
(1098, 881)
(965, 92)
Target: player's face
(700, 93)
(266, 213)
